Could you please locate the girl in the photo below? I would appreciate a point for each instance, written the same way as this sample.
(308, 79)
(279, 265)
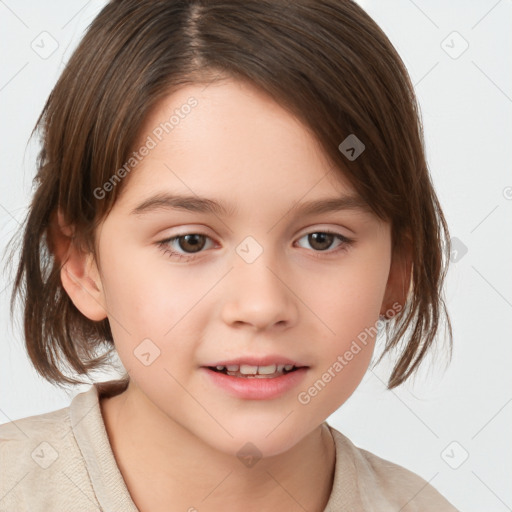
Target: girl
(233, 197)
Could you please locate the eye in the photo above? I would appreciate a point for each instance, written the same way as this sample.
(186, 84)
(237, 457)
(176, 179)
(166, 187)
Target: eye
(193, 243)
(189, 241)
(321, 241)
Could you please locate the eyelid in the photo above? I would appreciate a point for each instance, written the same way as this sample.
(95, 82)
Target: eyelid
(313, 228)
(345, 243)
(307, 231)
(319, 228)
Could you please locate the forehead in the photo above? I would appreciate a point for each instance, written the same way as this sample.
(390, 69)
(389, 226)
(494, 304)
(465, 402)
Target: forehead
(231, 145)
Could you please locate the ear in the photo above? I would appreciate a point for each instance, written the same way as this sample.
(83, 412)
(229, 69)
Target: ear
(399, 280)
(79, 273)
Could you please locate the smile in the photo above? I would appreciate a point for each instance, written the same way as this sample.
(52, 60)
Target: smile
(252, 383)
(250, 371)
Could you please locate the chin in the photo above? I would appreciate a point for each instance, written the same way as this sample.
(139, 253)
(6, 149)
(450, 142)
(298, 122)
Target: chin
(258, 441)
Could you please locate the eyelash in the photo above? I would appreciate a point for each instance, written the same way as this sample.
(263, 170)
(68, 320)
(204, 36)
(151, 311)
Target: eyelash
(164, 245)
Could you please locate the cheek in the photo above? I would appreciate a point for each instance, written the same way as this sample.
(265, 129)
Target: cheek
(348, 304)
(148, 294)
(342, 360)
(348, 299)
(154, 311)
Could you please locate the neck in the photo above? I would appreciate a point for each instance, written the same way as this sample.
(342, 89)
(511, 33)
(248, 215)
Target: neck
(166, 464)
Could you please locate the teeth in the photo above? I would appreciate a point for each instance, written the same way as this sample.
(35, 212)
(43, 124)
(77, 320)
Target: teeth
(267, 370)
(247, 369)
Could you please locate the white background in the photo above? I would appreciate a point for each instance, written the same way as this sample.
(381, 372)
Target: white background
(429, 424)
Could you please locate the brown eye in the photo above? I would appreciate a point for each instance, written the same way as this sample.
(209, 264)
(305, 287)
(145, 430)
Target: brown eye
(191, 243)
(320, 241)
(183, 247)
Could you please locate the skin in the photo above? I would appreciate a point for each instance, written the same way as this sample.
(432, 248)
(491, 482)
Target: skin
(174, 434)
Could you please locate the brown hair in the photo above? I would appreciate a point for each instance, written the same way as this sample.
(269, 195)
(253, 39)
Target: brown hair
(326, 61)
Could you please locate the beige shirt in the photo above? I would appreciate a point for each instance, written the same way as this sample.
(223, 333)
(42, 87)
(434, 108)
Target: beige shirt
(62, 461)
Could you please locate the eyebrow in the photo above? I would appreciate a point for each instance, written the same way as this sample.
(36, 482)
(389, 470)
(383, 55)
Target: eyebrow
(198, 204)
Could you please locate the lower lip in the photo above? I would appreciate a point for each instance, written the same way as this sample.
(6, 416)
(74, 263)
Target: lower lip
(256, 388)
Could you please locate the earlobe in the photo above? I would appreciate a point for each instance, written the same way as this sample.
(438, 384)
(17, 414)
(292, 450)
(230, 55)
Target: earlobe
(79, 273)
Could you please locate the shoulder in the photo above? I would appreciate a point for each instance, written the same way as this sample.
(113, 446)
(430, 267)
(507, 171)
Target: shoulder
(384, 485)
(35, 439)
(41, 464)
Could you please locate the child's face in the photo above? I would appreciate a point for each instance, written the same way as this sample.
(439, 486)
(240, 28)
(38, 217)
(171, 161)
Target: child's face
(258, 285)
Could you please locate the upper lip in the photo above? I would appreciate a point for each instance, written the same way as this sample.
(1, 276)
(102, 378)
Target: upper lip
(256, 361)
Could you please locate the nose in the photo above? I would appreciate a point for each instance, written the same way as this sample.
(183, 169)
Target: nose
(259, 295)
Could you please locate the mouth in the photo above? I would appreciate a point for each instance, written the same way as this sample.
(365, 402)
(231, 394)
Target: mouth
(255, 372)
(257, 379)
